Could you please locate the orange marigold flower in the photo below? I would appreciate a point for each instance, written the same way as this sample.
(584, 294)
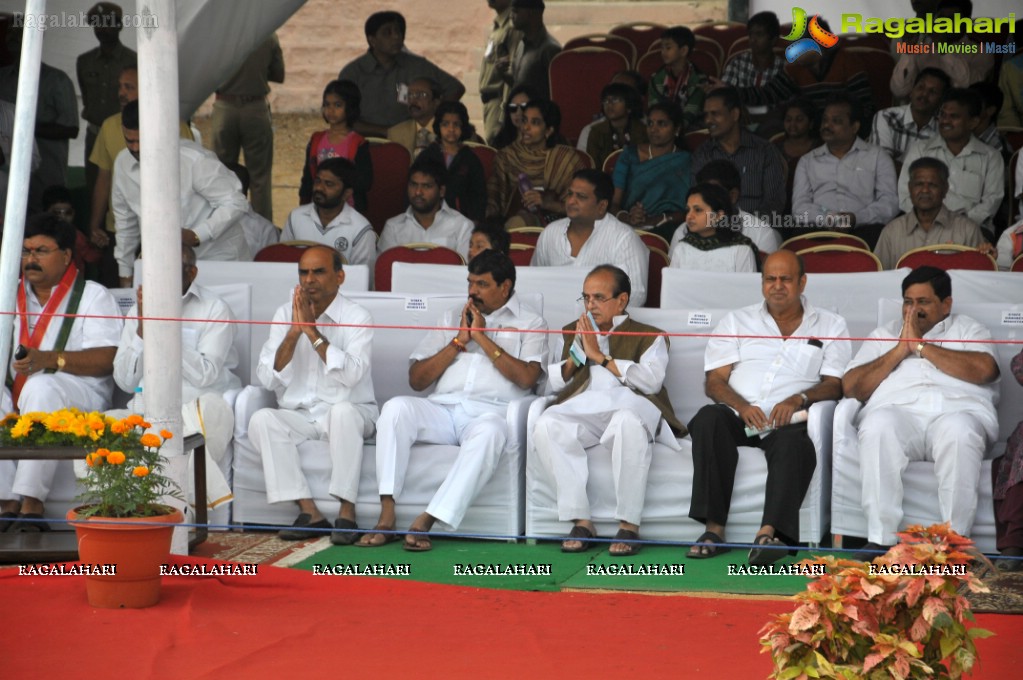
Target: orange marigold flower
(150, 441)
(116, 457)
(102, 452)
(89, 458)
(166, 434)
(119, 427)
(133, 420)
(140, 471)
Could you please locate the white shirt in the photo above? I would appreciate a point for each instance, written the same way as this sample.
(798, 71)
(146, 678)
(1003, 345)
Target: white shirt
(307, 383)
(768, 370)
(737, 258)
(98, 324)
(612, 242)
(894, 130)
(259, 231)
(756, 229)
(1005, 246)
(862, 182)
(211, 205)
(975, 177)
(450, 229)
(472, 377)
(349, 233)
(207, 351)
(918, 382)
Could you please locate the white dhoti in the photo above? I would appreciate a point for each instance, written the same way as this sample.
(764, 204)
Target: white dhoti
(46, 392)
(480, 431)
(890, 437)
(277, 433)
(607, 413)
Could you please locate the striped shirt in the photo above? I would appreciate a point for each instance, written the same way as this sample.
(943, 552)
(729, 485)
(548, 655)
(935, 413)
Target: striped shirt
(761, 166)
(894, 130)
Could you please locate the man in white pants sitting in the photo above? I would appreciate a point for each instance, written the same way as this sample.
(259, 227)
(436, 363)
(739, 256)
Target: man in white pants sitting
(478, 370)
(317, 360)
(928, 395)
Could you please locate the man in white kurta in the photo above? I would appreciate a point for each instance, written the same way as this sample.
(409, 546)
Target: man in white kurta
(211, 202)
(317, 361)
(589, 236)
(610, 390)
(68, 360)
(495, 356)
(208, 359)
(428, 219)
(929, 383)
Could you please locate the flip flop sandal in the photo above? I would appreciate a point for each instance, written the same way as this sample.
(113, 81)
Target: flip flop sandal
(764, 552)
(624, 536)
(578, 533)
(712, 549)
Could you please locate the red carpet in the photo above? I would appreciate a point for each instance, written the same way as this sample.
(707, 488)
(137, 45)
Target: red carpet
(288, 623)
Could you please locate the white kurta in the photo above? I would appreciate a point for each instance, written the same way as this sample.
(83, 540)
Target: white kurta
(734, 258)
(450, 229)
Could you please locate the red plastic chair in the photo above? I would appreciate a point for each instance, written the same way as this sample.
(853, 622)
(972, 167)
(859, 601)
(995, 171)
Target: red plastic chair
(724, 33)
(286, 251)
(524, 235)
(648, 64)
(1013, 135)
(641, 34)
(521, 254)
(585, 159)
(876, 41)
(824, 238)
(611, 161)
(425, 253)
(705, 62)
(658, 261)
(947, 256)
(711, 47)
(878, 66)
(653, 240)
(486, 155)
(1017, 264)
(387, 197)
(1014, 190)
(605, 41)
(577, 77)
(695, 138)
(838, 260)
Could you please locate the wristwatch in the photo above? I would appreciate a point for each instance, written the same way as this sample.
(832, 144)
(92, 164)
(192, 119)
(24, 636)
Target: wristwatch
(61, 362)
(806, 399)
(920, 348)
(607, 359)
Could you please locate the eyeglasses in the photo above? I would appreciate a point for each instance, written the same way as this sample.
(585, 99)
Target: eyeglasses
(39, 253)
(512, 108)
(420, 95)
(613, 100)
(599, 299)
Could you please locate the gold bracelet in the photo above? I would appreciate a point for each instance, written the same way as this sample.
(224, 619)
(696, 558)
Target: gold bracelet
(319, 341)
(458, 345)
(496, 355)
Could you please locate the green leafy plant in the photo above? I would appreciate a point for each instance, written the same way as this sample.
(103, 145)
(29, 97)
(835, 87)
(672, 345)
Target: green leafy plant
(123, 464)
(874, 621)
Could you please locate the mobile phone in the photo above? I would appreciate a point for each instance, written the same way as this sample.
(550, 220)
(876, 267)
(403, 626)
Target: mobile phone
(589, 315)
(20, 353)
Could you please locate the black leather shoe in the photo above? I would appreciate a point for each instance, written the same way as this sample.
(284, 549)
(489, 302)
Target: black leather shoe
(304, 528)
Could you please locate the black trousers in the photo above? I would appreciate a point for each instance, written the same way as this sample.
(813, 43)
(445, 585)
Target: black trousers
(717, 434)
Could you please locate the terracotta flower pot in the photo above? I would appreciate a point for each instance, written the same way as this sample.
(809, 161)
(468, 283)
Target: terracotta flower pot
(136, 548)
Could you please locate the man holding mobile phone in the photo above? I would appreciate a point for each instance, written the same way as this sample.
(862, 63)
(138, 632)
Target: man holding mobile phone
(610, 389)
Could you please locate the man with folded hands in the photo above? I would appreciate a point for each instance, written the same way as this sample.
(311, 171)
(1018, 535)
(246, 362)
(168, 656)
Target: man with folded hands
(765, 363)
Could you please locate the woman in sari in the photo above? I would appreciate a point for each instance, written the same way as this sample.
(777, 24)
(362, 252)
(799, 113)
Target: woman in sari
(532, 175)
(714, 241)
(651, 179)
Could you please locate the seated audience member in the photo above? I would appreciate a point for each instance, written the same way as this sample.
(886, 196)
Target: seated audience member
(416, 133)
(650, 179)
(964, 65)
(211, 202)
(489, 236)
(679, 81)
(259, 231)
(631, 78)
(477, 371)
(1010, 82)
(342, 104)
(846, 181)
(532, 174)
(1010, 246)
(330, 220)
(622, 124)
(987, 131)
(758, 378)
(761, 63)
(800, 126)
(466, 189)
(929, 222)
(927, 395)
(208, 360)
(757, 229)
(976, 172)
(317, 361)
(514, 115)
(897, 127)
(1007, 473)
(385, 72)
(70, 328)
(589, 236)
(609, 390)
(531, 59)
(713, 242)
(763, 172)
(57, 201)
(428, 219)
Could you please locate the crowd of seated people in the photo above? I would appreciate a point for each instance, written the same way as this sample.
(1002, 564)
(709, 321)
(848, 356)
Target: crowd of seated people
(931, 170)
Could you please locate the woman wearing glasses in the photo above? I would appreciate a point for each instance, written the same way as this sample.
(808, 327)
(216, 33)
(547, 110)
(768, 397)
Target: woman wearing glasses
(651, 180)
(514, 110)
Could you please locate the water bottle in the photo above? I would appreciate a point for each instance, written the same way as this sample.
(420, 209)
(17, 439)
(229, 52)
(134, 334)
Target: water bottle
(138, 404)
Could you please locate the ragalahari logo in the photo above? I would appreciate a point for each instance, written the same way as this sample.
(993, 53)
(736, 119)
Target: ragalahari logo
(818, 36)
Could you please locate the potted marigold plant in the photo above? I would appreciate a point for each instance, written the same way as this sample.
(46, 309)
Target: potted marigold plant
(123, 530)
(901, 616)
